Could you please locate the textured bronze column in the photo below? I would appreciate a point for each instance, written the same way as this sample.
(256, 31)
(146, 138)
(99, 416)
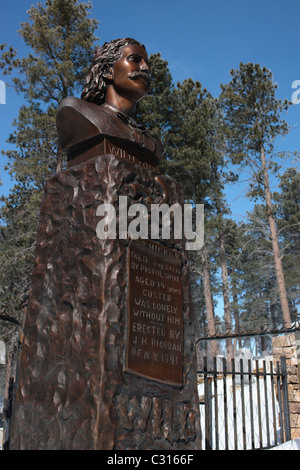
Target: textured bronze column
(108, 360)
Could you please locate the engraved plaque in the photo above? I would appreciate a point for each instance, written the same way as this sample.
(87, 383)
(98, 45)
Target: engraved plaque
(155, 323)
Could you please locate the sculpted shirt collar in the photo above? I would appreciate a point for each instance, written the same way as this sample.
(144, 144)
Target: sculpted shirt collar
(128, 128)
(127, 119)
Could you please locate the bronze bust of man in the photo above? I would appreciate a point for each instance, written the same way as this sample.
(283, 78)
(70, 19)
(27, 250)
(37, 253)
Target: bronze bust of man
(118, 78)
(108, 359)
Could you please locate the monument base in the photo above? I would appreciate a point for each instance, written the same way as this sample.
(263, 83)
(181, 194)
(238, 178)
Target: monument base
(108, 360)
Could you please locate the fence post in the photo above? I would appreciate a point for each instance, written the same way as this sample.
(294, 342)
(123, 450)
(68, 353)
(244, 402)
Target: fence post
(285, 397)
(208, 408)
(234, 404)
(251, 404)
(297, 340)
(225, 403)
(259, 404)
(266, 402)
(243, 404)
(279, 402)
(273, 403)
(216, 404)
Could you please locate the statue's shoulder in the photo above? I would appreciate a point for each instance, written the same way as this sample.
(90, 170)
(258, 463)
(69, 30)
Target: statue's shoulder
(78, 120)
(70, 102)
(90, 111)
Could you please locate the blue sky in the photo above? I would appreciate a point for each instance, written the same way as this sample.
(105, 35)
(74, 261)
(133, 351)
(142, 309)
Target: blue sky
(202, 39)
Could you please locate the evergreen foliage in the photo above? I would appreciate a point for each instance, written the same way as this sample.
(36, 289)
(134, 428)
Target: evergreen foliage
(287, 208)
(204, 138)
(252, 115)
(61, 43)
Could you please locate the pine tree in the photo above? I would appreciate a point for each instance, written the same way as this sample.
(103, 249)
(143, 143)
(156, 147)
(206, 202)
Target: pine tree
(260, 304)
(61, 39)
(253, 118)
(155, 110)
(287, 208)
(234, 236)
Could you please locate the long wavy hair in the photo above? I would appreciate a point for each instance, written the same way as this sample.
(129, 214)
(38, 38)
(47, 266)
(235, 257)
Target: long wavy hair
(96, 79)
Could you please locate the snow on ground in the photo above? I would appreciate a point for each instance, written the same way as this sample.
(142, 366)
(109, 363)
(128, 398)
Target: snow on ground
(289, 445)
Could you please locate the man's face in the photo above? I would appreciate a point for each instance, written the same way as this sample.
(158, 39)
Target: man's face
(131, 73)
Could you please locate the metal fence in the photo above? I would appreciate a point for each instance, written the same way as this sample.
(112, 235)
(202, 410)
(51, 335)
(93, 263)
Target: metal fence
(243, 405)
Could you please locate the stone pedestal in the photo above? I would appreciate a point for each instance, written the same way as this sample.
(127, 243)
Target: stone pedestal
(108, 360)
(287, 346)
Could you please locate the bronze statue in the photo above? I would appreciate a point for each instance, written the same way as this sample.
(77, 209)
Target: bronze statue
(108, 360)
(118, 79)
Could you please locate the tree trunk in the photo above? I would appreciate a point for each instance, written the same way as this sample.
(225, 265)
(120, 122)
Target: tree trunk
(209, 302)
(275, 245)
(237, 328)
(7, 402)
(225, 287)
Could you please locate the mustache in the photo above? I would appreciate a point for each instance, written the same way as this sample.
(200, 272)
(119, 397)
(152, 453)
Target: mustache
(134, 75)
